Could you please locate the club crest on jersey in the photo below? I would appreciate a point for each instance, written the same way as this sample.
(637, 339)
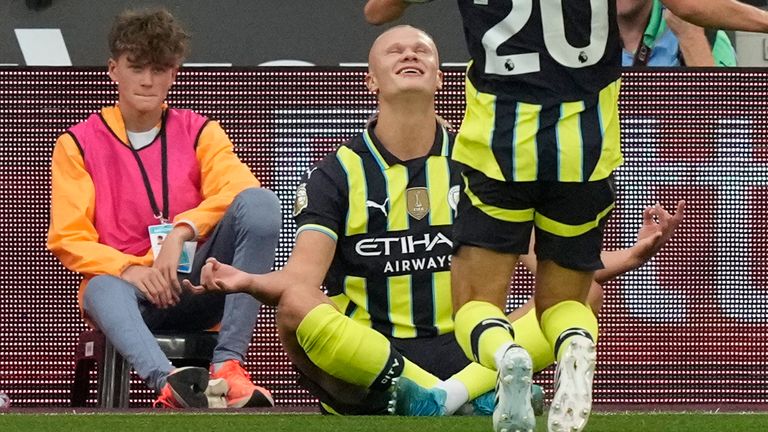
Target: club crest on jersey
(302, 200)
(417, 200)
(453, 198)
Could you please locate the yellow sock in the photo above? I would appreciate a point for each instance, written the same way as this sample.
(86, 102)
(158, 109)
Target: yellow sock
(353, 352)
(565, 320)
(413, 372)
(477, 378)
(528, 335)
(481, 329)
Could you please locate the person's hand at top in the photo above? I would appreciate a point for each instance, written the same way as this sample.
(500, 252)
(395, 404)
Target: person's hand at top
(657, 228)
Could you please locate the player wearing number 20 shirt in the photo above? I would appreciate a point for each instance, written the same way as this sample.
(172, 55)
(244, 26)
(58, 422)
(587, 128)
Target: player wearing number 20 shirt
(539, 143)
(540, 137)
(542, 90)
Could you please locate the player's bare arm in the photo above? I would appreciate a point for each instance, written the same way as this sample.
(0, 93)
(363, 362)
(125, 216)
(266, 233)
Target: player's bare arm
(306, 268)
(722, 14)
(693, 41)
(657, 228)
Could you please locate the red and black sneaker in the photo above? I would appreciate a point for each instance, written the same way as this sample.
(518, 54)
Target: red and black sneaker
(184, 388)
(242, 391)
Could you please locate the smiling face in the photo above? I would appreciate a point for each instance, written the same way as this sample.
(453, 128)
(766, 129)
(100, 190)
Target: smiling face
(403, 60)
(142, 88)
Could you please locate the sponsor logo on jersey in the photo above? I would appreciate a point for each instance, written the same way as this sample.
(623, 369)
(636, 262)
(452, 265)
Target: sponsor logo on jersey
(439, 263)
(404, 245)
(399, 252)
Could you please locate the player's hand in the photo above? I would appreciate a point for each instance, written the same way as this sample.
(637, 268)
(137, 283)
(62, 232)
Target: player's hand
(219, 277)
(167, 263)
(151, 282)
(383, 11)
(657, 228)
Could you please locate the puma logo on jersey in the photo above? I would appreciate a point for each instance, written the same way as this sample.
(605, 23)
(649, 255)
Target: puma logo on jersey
(310, 171)
(382, 206)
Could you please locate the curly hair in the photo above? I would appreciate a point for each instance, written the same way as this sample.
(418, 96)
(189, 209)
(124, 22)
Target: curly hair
(149, 37)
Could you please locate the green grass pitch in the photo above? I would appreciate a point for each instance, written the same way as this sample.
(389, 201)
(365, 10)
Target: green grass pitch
(268, 422)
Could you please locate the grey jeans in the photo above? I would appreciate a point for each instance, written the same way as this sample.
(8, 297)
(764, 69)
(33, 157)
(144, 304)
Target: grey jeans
(246, 237)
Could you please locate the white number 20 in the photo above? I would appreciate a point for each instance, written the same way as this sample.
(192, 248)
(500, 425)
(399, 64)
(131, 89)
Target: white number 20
(553, 23)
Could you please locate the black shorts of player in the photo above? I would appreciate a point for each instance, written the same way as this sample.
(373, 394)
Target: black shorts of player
(569, 218)
(441, 356)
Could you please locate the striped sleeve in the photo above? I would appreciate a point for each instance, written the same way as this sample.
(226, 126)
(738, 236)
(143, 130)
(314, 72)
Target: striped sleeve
(320, 203)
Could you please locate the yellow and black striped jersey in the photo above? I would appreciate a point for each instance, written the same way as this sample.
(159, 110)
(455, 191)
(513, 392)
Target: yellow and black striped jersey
(542, 51)
(391, 220)
(542, 90)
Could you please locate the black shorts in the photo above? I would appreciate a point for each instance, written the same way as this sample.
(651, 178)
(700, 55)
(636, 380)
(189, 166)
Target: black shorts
(441, 356)
(569, 218)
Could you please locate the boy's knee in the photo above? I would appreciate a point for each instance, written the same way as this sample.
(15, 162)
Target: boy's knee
(259, 210)
(98, 290)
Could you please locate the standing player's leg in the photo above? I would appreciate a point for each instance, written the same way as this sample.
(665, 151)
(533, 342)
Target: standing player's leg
(492, 229)
(571, 328)
(569, 236)
(485, 334)
(478, 383)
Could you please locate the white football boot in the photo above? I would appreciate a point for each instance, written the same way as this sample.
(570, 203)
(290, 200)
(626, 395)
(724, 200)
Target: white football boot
(513, 411)
(572, 402)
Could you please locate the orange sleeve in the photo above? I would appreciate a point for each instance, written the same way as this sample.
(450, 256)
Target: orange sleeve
(223, 177)
(72, 237)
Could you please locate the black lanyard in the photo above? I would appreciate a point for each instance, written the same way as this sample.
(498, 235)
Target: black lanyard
(651, 32)
(642, 54)
(162, 216)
